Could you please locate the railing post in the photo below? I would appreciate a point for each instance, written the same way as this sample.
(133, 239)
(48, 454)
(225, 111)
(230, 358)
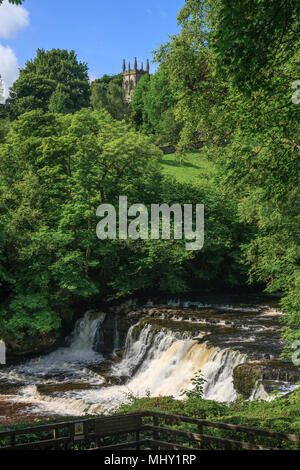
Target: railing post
(156, 433)
(200, 431)
(137, 438)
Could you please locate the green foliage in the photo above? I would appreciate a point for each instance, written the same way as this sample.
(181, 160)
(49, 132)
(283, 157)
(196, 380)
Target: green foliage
(32, 315)
(107, 94)
(252, 38)
(279, 415)
(140, 116)
(197, 382)
(231, 70)
(153, 107)
(54, 80)
(55, 170)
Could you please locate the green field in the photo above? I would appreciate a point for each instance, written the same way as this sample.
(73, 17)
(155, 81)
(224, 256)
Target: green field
(192, 167)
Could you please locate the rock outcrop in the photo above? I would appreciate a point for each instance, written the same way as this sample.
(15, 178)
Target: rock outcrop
(38, 344)
(246, 376)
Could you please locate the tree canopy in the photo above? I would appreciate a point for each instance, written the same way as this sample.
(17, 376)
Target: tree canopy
(51, 77)
(232, 69)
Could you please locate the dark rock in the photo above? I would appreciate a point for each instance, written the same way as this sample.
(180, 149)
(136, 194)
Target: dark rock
(246, 375)
(56, 388)
(41, 343)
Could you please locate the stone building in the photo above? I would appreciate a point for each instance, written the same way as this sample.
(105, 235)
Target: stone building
(131, 78)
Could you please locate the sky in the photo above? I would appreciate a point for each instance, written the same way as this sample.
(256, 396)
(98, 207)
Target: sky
(102, 32)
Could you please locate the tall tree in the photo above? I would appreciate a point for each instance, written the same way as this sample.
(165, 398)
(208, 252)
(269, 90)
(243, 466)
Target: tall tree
(55, 72)
(107, 93)
(243, 108)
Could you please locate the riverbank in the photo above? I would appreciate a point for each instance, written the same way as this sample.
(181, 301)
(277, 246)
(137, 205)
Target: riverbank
(281, 415)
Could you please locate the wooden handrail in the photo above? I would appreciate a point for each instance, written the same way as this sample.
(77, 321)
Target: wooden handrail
(232, 427)
(100, 427)
(202, 437)
(60, 425)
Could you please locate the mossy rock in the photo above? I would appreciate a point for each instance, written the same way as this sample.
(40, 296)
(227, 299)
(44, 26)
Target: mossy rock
(246, 375)
(41, 343)
(244, 378)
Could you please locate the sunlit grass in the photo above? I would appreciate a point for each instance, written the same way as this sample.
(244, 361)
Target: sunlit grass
(193, 167)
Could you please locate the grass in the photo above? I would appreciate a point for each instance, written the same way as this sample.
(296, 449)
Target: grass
(193, 167)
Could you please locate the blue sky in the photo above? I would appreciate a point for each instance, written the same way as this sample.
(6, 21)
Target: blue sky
(101, 32)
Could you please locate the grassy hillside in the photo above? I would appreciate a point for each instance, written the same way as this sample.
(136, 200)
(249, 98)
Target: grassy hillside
(193, 167)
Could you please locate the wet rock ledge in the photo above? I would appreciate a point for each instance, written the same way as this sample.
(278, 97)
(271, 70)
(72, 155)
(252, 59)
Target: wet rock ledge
(245, 376)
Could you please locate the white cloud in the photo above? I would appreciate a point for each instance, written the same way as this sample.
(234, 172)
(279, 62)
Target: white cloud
(12, 19)
(149, 11)
(9, 69)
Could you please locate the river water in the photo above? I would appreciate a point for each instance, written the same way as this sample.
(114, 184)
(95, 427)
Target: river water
(161, 355)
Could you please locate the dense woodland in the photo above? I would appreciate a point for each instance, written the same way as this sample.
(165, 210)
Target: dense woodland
(66, 146)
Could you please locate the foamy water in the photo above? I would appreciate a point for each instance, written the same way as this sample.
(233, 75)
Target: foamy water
(157, 363)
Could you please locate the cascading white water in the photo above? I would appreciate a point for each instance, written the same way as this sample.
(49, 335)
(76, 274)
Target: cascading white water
(83, 337)
(158, 363)
(168, 361)
(66, 363)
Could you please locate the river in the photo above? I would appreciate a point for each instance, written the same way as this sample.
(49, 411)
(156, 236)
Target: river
(162, 350)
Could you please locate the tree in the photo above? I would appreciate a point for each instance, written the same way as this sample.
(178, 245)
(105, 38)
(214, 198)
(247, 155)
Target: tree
(241, 106)
(54, 172)
(51, 72)
(60, 101)
(190, 68)
(140, 115)
(253, 37)
(4, 121)
(107, 93)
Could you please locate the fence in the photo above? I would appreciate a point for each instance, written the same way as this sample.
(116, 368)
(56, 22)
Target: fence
(145, 430)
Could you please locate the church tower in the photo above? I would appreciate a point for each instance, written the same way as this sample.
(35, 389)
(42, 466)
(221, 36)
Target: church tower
(131, 77)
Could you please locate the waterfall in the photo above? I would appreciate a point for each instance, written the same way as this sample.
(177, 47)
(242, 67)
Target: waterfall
(157, 361)
(66, 364)
(165, 362)
(82, 340)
